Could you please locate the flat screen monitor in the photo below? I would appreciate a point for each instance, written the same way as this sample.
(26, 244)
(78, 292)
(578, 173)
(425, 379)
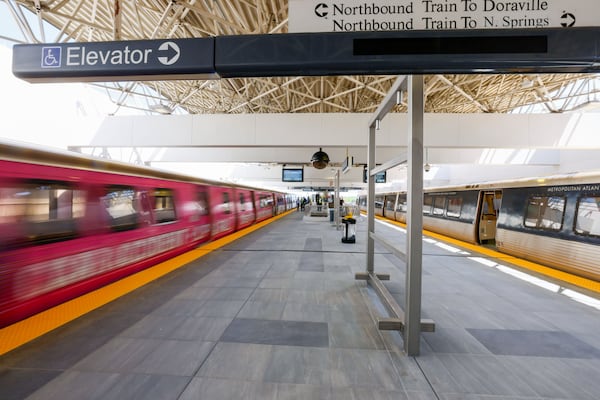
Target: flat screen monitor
(380, 177)
(292, 174)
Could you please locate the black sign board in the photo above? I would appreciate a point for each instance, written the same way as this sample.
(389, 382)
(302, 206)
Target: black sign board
(125, 60)
(309, 54)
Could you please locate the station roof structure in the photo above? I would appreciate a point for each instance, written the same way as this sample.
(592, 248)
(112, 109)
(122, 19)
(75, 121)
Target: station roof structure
(114, 20)
(110, 20)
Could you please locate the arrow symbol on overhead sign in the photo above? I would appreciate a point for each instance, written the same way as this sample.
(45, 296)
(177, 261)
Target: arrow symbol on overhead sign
(172, 53)
(321, 10)
(567, 20)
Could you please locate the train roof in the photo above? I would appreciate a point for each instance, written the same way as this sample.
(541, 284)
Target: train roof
(574, 178)
(35, 154)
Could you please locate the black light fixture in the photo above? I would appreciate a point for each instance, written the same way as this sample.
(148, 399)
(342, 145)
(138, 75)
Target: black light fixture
(320, 159)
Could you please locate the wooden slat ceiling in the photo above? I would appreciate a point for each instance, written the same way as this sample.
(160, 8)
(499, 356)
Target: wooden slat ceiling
(106, 20)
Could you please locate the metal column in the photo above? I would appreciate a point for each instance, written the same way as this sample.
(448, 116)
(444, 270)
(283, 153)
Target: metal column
(414, 221)
(336, 202)
(371, 202)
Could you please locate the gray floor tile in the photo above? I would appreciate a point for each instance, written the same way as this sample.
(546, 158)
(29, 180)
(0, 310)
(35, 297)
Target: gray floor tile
(207, 329)
(286, 333)
(276, 295)
(219, 308)
(534, 343)
(306, 312)
(261, 310)
(369, 368)
(301, 365)
(237, 361)
(355, 336)
(453, 340)
(312, 261)
(287, 391)
(54, 352)
(475, 374)
(228, 389)
(173, 357)
(557, 377)
(154, 327)
(77, 385)
(119, 355)
(16, 384)
(146, 387)
(313, 244)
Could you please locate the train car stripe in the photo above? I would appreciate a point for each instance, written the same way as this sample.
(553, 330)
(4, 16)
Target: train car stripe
(562, 276)
(37, 325)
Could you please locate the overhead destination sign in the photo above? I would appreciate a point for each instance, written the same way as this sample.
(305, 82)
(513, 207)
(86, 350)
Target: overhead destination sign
(401, 15)
(125, 60)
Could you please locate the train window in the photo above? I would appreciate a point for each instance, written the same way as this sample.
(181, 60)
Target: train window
(362, 200)
(226, 205)
(587, 220)
(264, 201)
(389, 202)
(378, 201)
(545, 212)
(401, 206)
(119, 202)
(439, 204)
(164, 206)
(242, 202)
(47, 211)
(454, 206)
(427, 203)
(202, 203)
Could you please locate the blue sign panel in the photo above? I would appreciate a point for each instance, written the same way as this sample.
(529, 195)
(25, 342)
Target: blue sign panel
(107, 61)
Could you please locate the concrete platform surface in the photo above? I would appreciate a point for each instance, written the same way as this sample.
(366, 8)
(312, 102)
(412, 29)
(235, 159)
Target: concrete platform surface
(278, 315)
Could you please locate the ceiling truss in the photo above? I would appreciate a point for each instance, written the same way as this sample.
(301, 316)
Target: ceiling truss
(107, 20)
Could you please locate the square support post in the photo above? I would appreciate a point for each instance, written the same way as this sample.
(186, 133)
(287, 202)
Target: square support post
(371, 200)
(337, 218)
(416, 108)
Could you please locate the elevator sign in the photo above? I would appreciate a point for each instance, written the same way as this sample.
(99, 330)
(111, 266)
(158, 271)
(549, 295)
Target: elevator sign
(109, 61)
(404, 15)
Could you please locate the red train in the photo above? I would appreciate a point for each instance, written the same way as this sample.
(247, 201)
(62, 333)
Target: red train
(70, 224)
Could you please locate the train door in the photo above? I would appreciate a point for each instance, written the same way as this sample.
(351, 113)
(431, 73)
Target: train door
(389, 206)
(244, 208)
(263, 205)
(222, 208)
(280, 204)
(488, 209)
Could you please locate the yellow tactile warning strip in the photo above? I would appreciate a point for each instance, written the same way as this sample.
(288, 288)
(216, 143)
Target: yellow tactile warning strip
(531, 266)
(24, 331)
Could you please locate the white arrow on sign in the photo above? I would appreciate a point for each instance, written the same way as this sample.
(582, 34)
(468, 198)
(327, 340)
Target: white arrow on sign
(173, 53)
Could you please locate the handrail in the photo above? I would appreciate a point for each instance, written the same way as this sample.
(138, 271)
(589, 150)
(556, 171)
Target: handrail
(388, 165)
(398, 320)
(388, 245)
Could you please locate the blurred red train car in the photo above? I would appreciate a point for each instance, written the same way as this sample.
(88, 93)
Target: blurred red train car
(70, 224)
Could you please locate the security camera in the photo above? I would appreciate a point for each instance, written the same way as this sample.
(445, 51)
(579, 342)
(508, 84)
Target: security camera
(427, 167)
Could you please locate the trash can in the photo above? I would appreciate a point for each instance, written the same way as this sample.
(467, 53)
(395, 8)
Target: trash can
(331, 214)
(349, 235)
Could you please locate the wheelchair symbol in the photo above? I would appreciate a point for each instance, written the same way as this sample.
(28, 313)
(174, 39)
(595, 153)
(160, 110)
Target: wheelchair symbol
(51, 57)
